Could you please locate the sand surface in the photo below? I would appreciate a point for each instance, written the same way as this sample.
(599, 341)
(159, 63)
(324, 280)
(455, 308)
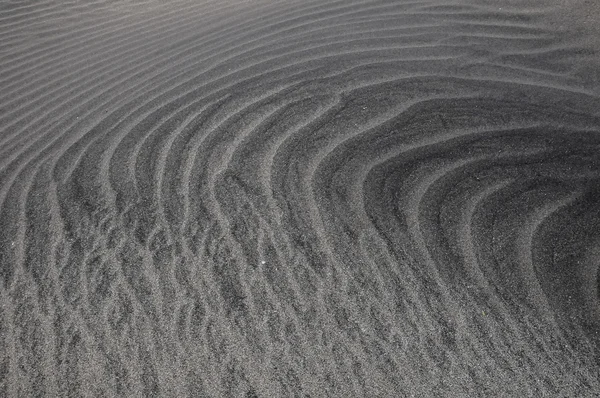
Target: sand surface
(299, 198)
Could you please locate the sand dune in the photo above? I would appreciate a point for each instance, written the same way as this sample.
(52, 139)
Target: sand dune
(299, 198)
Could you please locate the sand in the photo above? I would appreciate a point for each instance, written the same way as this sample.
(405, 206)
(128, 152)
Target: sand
(299, 199)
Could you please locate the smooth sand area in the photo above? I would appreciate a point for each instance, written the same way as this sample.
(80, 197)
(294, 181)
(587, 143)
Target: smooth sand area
(299, 198)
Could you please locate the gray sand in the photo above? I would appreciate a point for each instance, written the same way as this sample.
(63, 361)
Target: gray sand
(299, 199)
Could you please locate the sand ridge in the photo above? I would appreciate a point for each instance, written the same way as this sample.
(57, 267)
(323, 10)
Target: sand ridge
(298, 198)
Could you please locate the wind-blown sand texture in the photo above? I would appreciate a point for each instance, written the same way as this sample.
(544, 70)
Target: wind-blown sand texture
(299, 199)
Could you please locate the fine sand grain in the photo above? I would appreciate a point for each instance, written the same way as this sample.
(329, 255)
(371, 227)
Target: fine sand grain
(299, 198)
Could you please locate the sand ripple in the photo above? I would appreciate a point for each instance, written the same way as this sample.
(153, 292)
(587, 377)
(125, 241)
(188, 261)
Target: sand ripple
(302, 198)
